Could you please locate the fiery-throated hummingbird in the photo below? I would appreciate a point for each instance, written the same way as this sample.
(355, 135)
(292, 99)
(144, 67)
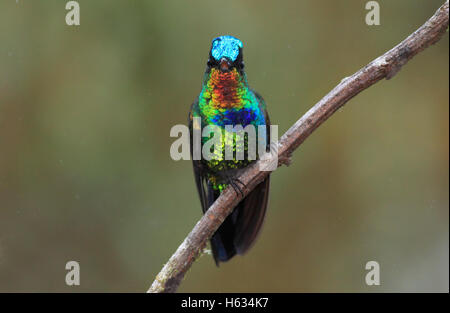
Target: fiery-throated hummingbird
(226, 99)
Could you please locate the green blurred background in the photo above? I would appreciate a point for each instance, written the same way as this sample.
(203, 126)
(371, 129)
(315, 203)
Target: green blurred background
(85, 170)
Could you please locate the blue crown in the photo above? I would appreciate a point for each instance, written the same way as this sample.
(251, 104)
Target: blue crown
(225, 47)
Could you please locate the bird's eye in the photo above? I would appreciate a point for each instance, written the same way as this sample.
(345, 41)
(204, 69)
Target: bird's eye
(211, 62)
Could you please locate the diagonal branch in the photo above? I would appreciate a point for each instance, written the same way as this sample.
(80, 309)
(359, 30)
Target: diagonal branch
(385, 66)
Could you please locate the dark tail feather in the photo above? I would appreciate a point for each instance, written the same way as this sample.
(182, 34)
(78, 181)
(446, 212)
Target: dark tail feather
(222, 242)
(240, 229)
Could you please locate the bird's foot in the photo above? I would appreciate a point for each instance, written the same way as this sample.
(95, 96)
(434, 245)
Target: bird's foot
(234, 182)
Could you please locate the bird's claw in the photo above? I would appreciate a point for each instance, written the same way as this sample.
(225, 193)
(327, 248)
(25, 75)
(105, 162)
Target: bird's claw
(234, 183)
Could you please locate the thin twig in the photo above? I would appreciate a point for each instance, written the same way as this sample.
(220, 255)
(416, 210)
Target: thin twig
(385, 66)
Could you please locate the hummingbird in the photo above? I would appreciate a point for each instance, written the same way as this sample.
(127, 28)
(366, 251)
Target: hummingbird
(226, 99)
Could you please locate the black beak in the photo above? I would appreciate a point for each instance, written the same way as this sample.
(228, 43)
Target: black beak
(225, 65)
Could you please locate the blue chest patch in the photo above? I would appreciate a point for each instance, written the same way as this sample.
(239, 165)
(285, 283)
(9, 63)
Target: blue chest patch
(233, 117)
